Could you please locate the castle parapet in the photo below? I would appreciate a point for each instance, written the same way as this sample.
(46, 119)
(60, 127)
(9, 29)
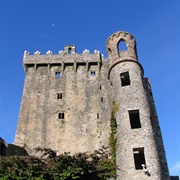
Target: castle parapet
(66, 56)
(49, 57)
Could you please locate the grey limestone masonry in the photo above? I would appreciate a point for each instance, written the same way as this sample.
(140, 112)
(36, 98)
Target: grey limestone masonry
(68, 99)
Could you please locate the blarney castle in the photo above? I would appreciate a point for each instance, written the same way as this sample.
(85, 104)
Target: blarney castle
(68, 100)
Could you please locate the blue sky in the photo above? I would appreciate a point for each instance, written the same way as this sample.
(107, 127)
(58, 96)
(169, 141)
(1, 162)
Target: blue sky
(50, 25)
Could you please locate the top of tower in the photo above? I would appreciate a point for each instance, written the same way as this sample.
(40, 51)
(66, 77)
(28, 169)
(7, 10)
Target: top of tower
(118, 36)
(116, 54)
(112, 46)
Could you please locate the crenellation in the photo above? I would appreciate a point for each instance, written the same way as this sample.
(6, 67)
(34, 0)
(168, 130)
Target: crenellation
(26, 53)
(37, 53)
(86, 51)
(61, 52)
(96, 52)
(49, 52)
(49, 57)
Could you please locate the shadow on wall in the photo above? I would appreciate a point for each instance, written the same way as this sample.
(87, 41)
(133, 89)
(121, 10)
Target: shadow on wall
(11, 149)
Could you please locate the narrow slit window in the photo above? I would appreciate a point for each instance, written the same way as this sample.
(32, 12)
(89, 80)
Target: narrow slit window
(134, 119)
(59, 95)
(139, 158)
(125, 80)
(100, 87)
(97, 115)
(60, 115)
(57, 74)
(102, 99)
(93, 73)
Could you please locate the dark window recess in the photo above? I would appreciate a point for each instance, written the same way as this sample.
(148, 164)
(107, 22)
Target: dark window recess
(60, 115)
(139, 158)
(57, 74)
(93, 73)
(59, 95)
(134, 119)
(111, 83)
(101, 99)
(125, 80)
(100, 87)
(69, 51)
(97, 115)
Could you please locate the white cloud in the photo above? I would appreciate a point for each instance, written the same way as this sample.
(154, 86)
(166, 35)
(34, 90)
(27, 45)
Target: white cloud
(44, 35)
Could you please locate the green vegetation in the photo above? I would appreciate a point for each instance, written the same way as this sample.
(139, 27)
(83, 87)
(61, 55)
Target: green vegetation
(97, 166)
(115, 107)
(113, 137)
(99, 128)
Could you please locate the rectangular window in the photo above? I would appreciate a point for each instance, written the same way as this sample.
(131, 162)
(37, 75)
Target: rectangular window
(134, 119)
(59, 95)
(139, 158)
(125, 80)
(60, 115)
(93, 73)
(57, 74)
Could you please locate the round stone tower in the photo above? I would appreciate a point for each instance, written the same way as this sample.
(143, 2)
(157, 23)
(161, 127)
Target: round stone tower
(137, 155)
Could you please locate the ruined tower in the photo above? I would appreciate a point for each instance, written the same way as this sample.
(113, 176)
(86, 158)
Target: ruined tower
(139, 138)
(68, 100)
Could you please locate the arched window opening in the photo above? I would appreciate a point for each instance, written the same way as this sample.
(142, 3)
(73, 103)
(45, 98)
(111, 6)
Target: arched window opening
(122, 46)
(69, 51)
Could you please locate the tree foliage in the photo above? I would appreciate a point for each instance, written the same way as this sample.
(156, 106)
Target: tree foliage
(97, 166)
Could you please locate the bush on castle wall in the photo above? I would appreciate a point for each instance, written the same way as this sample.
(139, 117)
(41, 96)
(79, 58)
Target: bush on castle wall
(98, 165)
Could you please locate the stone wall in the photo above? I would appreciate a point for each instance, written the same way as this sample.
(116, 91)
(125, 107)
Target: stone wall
(11, 149)
(85, 104)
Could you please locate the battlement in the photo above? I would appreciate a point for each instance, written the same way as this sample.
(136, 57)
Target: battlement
(68, 55)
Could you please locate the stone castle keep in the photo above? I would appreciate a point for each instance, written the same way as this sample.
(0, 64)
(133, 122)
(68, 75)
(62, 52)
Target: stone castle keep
(68, 100)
